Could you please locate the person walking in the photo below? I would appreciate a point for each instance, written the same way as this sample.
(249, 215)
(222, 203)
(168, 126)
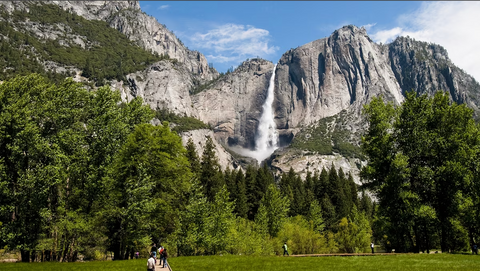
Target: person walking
(165, 256)
(137, 254)
(372, 246)
(475, 249)
(151, 263)
(160, 252)
(285, 249)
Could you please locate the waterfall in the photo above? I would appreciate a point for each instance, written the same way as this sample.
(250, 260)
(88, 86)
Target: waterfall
(267, 136)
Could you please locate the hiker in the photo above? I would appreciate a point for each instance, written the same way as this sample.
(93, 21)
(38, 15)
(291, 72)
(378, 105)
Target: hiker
(160, 252)
(165, 256)
(372, 246)
(285, 249)
(151, 263)
(154, 252)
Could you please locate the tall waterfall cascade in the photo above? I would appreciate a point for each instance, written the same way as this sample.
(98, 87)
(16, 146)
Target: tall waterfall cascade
(266, 141)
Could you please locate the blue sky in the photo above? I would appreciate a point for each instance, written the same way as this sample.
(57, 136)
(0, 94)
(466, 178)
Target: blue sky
(228, 33)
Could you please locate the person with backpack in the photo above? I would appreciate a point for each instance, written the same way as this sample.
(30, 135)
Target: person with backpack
(160, 252)
(165, 256)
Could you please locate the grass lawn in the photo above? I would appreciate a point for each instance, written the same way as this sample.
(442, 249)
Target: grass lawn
(409, 262)
(131, 265)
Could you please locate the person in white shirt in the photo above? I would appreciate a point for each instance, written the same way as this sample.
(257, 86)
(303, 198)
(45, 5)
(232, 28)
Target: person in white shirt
(151, 263)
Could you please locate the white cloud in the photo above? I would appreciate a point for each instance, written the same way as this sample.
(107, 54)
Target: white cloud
(163, 7)
(232, 42)
(453, 25)
(368, 26)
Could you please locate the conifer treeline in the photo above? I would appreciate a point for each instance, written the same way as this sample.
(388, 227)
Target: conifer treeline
(335, 191)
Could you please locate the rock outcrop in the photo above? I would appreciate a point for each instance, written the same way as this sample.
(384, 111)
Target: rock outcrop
(164, 85)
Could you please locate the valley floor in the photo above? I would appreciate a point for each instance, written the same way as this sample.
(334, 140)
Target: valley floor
(410, 262)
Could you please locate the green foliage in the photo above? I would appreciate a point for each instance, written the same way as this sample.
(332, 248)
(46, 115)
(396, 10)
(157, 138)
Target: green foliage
(245, 239)
(192, 156)
(315, 215)
(57, 142)
(422, 168)
(274, 209)
(301, 238)
(211, 175)
(327, 136)
(181, 124)
(149, 173)
(199, 87)
(218, 222)
(354, 234)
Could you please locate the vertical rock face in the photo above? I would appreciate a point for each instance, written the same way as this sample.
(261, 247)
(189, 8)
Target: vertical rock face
(426, 68)
(163, 85)
(233, 104)
(323, 77)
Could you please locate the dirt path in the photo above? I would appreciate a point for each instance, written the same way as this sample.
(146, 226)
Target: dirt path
(159, 267)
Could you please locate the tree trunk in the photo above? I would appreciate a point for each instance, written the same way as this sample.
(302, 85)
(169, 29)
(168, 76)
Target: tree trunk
(25, 256)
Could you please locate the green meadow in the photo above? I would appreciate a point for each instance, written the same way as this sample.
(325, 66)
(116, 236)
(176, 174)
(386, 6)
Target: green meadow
(410, 262)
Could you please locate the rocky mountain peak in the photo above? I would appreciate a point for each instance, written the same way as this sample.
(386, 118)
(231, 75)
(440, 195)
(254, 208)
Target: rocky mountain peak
(348, 32)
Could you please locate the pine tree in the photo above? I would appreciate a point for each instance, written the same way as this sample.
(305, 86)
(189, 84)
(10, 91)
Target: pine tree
(329, 214)
(229, 176)
(274, 209)
(298, 204)
(211, 177)
(346, 203)
(353, 190)
(250, 180)
(241, 203)
(336, 193)
(263, 179)
(315, 216)
(321, 185)
(309, 189)
(192, 157)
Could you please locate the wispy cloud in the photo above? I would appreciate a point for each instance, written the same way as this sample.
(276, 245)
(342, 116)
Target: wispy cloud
(454, 25)
(163, 7)
(368, 26)
(232, 42)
